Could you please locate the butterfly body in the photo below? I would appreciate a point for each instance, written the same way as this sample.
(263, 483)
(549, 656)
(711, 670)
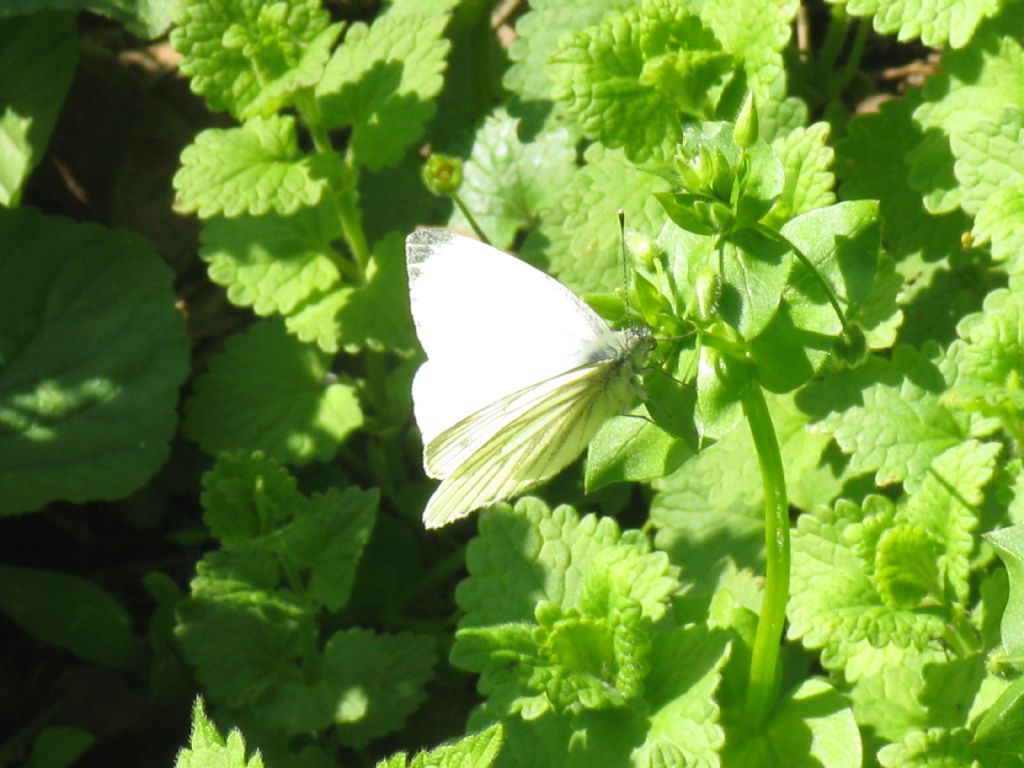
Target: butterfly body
(520, 372)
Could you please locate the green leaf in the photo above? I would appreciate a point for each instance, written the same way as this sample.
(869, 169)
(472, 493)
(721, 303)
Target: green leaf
(268, 391)
(327, 539)
(888, 415)
(533, 178)
(477, 750)
(92, 352)
(989, 365)
(945, 503)
(352, 319)
(935, 24)
(59, 746)
(71, 613)
(1009, 543)
(239, 632)
(251, 57)
(594, 580)
(582, 249)
(1002, 726)
(841, 241)
(369, 684)
(273, 263)
(990, 158)
(207, 748)
(634, 448)
(255, 169)
(38, 54)
(538, 32)
(835, 602)
(871, 163)
(628, 77)
(807, 159)
(680, 725)
(1001, 222)
(246, 496)
(143, 18)
(974, 85)
(754, 276)
(940, 747)
(382, 81)
(811, 726)
(755, 33)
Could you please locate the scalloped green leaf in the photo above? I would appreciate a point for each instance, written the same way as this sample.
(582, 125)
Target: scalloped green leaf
(369, 684)
(382, 82)
(938, 747)
(208, 748)
(254, 169)
(628, 78)
(935, 23)
(144, 18)
(477, 750)
(537, 34)
(268, 391)
(38, 54)
(273, 263)
(326, 539)
(888, 415)
(533, 178)
(990, 158)
(238, 630)
(582, 247)
(973, 86)
(375, 316)
(92, 352)
(1001, 222)
(250, 57)
(835, 605)
(946, 501)
(807, 160)
(246, 496)
(871, 162)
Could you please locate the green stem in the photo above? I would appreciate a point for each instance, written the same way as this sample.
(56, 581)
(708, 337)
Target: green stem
(853, 60)
(761, 688)
(343, 179)
(838, 25)
(469, 217)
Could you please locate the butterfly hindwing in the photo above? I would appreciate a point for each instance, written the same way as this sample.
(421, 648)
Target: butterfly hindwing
(543, 429)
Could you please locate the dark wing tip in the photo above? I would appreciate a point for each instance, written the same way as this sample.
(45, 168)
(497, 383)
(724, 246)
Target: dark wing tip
(420, 243)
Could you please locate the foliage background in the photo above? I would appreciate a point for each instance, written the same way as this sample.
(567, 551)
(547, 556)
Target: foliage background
(208, 477)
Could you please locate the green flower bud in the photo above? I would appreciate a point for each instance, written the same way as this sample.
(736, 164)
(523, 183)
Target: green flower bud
(442, 175)
(745, 132)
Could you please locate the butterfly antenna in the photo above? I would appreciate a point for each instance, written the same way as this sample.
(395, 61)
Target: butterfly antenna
(625, 272)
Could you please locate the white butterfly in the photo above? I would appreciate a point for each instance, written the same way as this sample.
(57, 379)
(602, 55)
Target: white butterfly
(520, 372)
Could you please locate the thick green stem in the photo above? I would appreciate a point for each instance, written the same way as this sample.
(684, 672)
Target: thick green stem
(764, 663)
(852, 65)
(835, 35)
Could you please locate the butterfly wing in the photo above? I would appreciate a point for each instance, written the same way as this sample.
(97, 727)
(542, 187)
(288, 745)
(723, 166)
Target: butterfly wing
(490, 325)
(523, 439)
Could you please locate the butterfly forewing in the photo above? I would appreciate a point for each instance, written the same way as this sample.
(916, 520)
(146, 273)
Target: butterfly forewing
(490, 325)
